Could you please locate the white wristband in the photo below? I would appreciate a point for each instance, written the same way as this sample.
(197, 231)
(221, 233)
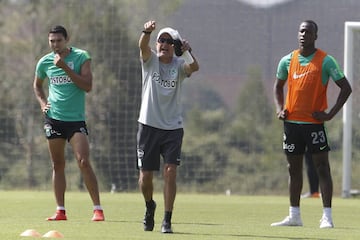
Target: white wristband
(187, 57)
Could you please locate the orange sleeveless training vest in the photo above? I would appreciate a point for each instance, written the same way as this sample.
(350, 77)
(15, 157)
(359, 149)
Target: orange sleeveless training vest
(306, 92)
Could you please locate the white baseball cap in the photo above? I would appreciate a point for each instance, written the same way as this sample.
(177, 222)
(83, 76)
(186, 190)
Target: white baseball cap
(172, 32)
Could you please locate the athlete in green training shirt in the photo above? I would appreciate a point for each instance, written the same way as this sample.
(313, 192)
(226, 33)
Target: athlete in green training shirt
(68, 72)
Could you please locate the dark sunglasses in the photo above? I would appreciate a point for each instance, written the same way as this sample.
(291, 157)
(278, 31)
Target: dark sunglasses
(166, 40)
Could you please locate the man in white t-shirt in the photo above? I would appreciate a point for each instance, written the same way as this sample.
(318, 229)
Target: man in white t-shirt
(160, 130)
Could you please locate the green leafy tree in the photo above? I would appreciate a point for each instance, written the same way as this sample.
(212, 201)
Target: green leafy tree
(253, 114)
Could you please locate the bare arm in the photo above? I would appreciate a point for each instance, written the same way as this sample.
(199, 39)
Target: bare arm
(82, 80)
(193, 67)
(345, 91)
(40, 94)
(145, 50)
(279, 99)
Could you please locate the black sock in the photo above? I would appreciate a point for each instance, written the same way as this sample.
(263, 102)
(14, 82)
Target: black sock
(149, 204)
(167, 216)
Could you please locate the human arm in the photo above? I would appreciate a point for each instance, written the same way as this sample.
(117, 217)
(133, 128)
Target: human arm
(345, 91)
(194, 66)
(278, 92)
(82, 80)
(40, 94)
(145, 50)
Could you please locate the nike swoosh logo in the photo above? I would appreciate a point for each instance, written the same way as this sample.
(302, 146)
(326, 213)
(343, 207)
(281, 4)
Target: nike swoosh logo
(323, 147)
(296, 76)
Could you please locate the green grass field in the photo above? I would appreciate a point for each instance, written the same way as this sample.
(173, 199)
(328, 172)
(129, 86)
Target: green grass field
(196, 216)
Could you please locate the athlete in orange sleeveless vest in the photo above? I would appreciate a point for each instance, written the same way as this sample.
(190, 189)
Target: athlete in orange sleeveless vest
(307, 71)
(306, 93)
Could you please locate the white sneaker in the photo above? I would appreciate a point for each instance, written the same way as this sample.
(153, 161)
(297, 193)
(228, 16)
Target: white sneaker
(294, 221)
(326, 223)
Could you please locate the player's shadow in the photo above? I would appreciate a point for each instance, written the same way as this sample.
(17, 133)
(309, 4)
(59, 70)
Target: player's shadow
(252, 236)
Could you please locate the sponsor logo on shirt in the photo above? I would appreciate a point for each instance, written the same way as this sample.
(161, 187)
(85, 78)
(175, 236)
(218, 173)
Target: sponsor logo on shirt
(335, 72)
(297, 76)
(60, 80)
(165, 83)
(71, 65)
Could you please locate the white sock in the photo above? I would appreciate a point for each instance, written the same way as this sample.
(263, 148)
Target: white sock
(327, 212)
(97, 207)
(294, 211)
(60, 208)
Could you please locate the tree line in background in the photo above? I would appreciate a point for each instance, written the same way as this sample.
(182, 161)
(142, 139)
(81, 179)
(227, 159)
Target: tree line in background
(237, 149)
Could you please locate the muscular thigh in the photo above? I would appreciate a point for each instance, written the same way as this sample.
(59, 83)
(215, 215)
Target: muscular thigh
(57, 149)
(80, 145)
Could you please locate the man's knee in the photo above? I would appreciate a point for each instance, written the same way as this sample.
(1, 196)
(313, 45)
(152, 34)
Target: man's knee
(83, 163)
(170, 171)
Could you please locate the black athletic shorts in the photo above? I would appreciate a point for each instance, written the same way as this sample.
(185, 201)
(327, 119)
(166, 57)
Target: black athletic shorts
(59, 129)
(301, 137)
(153, 143)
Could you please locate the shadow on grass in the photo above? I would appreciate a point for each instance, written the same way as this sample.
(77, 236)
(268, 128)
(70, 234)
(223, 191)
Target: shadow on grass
(140, 221)
(254, 236)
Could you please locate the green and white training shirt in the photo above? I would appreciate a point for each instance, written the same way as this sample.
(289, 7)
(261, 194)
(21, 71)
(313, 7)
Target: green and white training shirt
(67, 100)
